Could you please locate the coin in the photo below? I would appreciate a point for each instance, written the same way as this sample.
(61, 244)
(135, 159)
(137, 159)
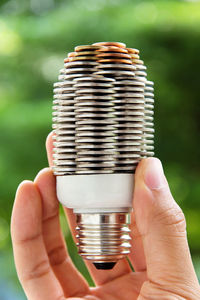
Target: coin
(116, 44)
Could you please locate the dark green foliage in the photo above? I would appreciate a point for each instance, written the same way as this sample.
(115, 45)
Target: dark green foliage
(33, 43)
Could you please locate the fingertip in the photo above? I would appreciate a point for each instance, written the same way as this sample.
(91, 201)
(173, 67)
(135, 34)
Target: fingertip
(24, 187)
(42, 174)
(49, 147)
(45, 182)
(153, 174)
(140, 167)
(27, 208)
(49, 140)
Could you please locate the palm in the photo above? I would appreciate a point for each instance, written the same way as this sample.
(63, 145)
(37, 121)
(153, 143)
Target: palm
(47, 272)
(37, 212)
(124, 287)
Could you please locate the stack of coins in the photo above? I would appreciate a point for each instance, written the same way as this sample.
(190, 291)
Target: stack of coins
(64, 128)
(148, 135)
(95, 140)
(103, 111)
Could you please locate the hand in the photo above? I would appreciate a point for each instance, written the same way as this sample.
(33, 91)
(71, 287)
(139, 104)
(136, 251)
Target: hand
(160, 254)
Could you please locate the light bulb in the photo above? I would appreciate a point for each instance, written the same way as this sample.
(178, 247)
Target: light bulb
(103, 126)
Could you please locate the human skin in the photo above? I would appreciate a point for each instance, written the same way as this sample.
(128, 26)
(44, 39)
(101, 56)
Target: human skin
(159, 255)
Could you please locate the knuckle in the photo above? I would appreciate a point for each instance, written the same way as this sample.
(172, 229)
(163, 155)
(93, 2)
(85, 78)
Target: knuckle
(173, 218)
(57, 255)
(39, 270)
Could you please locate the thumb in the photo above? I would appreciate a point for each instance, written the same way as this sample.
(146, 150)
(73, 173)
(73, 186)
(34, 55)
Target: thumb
(162, 226)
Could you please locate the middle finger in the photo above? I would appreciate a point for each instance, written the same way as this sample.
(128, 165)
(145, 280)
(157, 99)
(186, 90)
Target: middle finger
(70, 279)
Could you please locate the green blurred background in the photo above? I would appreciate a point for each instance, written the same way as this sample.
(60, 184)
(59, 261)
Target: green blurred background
(36, 35)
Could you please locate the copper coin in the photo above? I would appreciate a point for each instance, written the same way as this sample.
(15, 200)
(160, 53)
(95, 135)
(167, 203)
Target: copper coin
(116, 44)
(66, 60)
(118, 55)
(71, 54)
(113, 60)
(112, 49)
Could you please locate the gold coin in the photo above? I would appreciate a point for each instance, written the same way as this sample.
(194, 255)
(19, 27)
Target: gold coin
(133, 55)
(138, 61)
(132, 50)
(86, 47)
(82, 58)
(82, 53)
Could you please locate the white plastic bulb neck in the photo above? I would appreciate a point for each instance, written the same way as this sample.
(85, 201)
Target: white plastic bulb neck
(99, 193)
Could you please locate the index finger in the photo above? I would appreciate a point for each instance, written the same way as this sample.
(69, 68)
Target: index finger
(31, 259)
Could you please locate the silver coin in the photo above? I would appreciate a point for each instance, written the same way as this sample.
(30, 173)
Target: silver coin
(128, 82)
(80, 110)
(93, 91)
(79, 70)
(92, 84)
(63, 126)
(116, 73)
(140, 67)
(149, 83)
(64, 144)
(129, 95)
(64, 156)
(63, 84)
(132, 89)
(94, 122)
(63, 114)
(63, 120)
(149, 101)
(64, 96)
(149, 106)
(94, 159)
(63, 90)
(96, 128)
(148, 95)
(64, 150)
(93, 104)
(64, 169)
(80, 63)
(93, 146)
(64, 162)
(67, 77)
(81, 171)
(116, 66)
(94, 78)
(70, 138)
(140, 73)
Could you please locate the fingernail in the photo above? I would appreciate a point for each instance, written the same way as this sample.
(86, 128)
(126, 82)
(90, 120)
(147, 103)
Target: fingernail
(153, 175)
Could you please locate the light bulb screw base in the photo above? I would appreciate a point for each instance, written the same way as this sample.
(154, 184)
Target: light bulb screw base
(103, 238)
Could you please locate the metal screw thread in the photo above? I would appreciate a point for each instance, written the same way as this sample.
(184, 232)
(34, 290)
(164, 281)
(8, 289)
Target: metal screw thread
(103, 237)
